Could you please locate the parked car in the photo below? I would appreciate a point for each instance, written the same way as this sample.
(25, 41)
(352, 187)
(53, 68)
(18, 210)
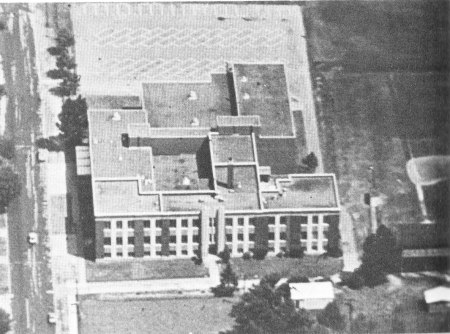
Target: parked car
(51, 318)
(32, 238)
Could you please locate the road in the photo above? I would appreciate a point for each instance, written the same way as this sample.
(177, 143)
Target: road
(30, 268)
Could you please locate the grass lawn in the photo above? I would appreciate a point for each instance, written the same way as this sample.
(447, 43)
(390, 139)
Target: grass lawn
(309, 266)
(142, 269)
(403, 308)
(178, 315)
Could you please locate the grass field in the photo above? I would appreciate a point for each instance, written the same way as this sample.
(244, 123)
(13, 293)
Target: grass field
(402, 310)
(178, 315)
(142, 269)
(309, 266)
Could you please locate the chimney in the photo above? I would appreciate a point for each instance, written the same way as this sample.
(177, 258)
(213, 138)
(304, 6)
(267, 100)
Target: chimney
(230, 176)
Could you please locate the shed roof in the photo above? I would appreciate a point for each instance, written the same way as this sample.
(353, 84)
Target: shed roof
(437, 295)
(312, 290)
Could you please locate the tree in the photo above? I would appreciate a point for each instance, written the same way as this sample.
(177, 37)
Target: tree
(2, 90)
(228, 283)
(362, 324)
(265, 310)
(7, 149)
(59, 73)
(311, 162)
(73, 121)
(56, 50)
(64, 38)
(225, 255)
(332, 317)
(5, 322)
(9, 184)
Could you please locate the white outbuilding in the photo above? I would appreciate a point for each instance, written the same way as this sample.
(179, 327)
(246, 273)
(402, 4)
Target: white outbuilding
(313, 295)
(437, 299)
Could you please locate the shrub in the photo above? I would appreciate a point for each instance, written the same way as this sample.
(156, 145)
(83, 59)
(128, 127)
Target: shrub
(5, 322)
(7, 149)
(298, 279)
(9, 185)
(362, 324)
(3, 25)
(247, 256)
(64, 38)
(223, 291)
(355, 281)
(228, 283)
(280, 255)
(56, 50)
(332, 317)
(260, 253)
(271, 279)
(334, 251)
(296, 252)
(225, 255)
(311, 162)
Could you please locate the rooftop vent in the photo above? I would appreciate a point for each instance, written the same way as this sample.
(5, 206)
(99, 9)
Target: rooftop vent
(116, 117)
(186, 181)
(192, 96)
(195, 122)
(244, 79)
(246, 96)
(120, 158)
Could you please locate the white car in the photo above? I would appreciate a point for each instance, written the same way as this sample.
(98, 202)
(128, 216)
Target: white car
(51, 318)
(32, 238)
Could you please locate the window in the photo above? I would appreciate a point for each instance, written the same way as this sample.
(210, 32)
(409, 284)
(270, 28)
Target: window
(172, 223)
(158, 239)
(251, 237)
(159, 223)
(196, 238)
(107, 241)
(173, 239)
(241, 221)
(184, 238)
(146, 253)
(315, 219)
(146, 239)
(107, 225)
(119, 241)
(158, 253)
(172, 252)
(184, 252)
(196, 222)
(119, 224)
(119, 254)
(240, 236)
(107, 254)
(229, 221)
(131, 254)
(240, 250)
(304, 235)
(131, 240)
(283, 236)
(131, 224)
(315, 234)
(229, 237)
(146, 223)
(283, 220)
(184, 223)
(314, 247)
(325, 234)
(271, 236)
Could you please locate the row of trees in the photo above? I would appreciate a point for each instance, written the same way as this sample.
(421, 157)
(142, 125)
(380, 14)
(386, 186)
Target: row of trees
(9, 180)
(73, 122)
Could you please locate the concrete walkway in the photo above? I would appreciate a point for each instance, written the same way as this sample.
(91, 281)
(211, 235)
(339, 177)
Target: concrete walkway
(350, 256)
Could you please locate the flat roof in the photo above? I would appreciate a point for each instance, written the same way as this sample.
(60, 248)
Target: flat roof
(261, 89)
(312, 290)
(238, 148)
(171, 105)
(113, 102)
(306, 191)
(109, 158)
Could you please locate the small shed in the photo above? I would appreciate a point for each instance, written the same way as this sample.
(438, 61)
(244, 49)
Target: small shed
(437, 299)
(313, 295)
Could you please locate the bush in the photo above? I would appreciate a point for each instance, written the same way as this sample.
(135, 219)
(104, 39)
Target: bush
(296, 252)
(355, 281)
(271, 279)
(260, 253)
(334, 252)
(7, 149)
(280, 255)
(52, 144)
(64, 38)
(5, 322)
(56, 50)
(247, 256)
(332, 317)
(225, 255)
(223, 291)
(9, 185)
(311, 162)
(362, 324)
(3, 25)
(298, 279)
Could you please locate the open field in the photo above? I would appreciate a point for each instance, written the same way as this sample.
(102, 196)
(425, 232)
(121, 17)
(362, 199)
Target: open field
(177, 315)
(139, 269)
(309, 266)
(401, 311)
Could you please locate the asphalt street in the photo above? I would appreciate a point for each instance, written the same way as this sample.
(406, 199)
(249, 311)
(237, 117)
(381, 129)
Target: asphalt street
(30, 265)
